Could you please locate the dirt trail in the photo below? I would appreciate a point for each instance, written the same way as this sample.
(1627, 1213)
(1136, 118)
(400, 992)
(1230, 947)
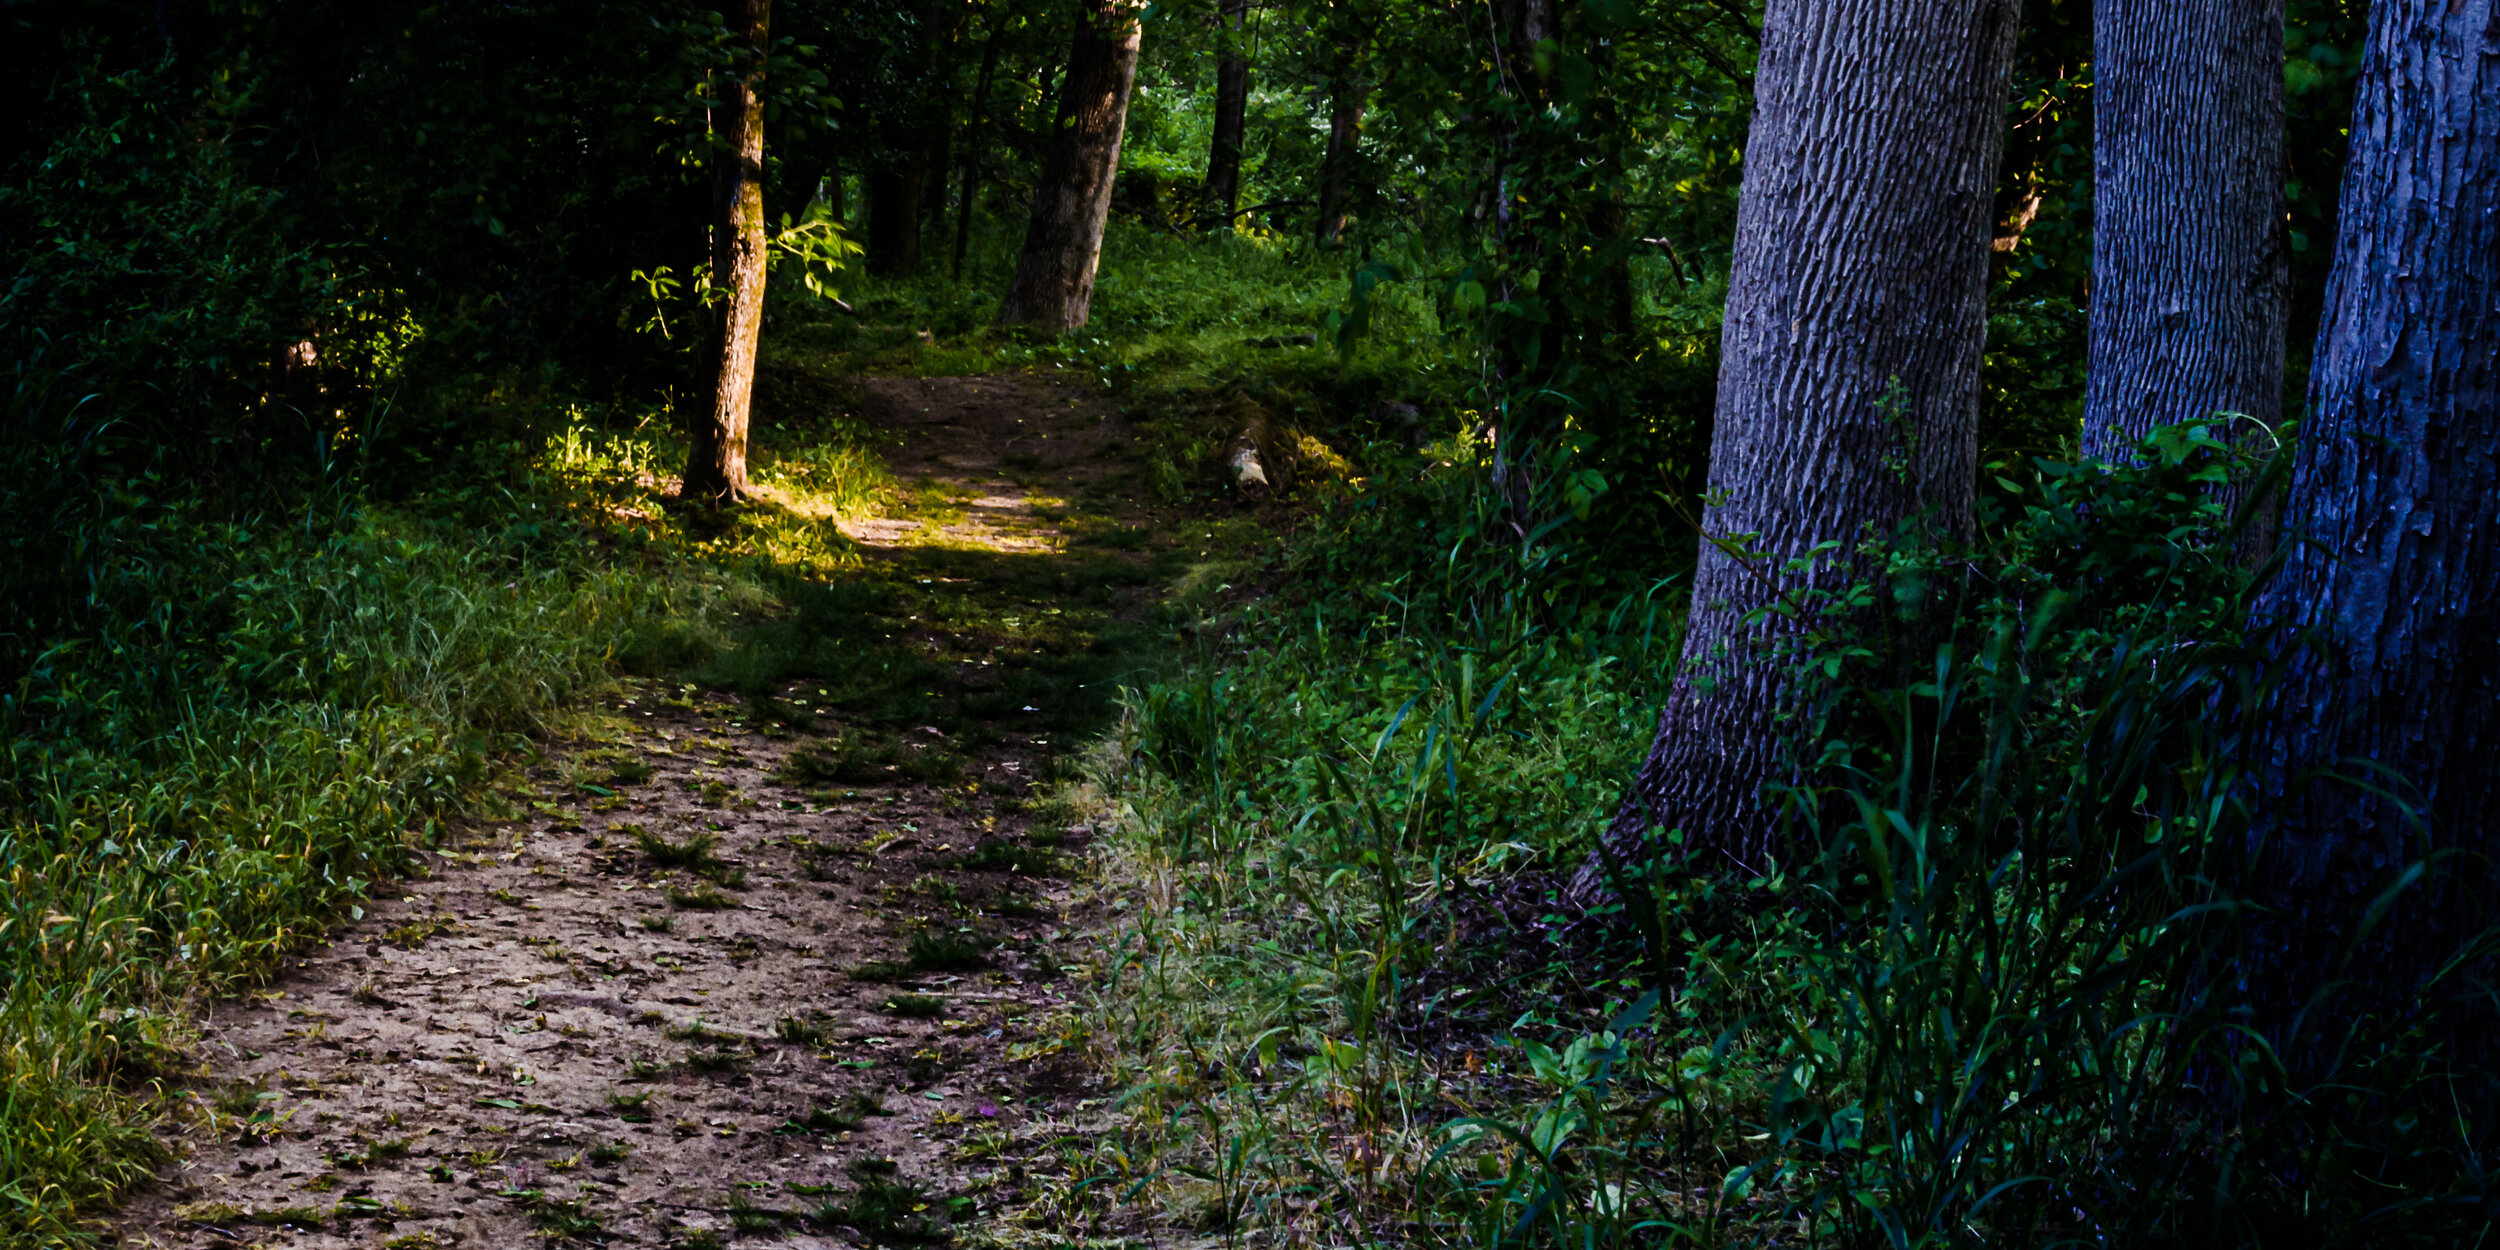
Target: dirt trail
(736, 968)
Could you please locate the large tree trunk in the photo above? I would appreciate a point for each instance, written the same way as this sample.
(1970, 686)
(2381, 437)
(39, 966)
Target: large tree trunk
(2190, 283)
(1849, 373)
(1345, 130)
(716, 464)
(1053, 289)
(1232, 115)
(2395, 494)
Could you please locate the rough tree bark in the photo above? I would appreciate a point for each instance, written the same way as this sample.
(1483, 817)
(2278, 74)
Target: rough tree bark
(716, 463)
(2190, 283)
(1232, 115)
(2395, 494)
(1849, 374)
(1053, 289)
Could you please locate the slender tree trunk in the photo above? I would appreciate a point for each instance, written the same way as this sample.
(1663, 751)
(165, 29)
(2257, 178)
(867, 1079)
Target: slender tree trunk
(1849, 374)
(971, 173)
(894, 219)
(1522, 25)
(716, 464)
(1345, 130)
(837, 193)
(1053, 289)
(2190, 282)
(1232, 115)
(2395, 494)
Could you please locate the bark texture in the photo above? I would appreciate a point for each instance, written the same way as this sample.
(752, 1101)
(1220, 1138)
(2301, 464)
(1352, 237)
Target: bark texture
(716, 463)
(1849, 369)
(2190, 283)
(1053, 289)
(1232, 115)
(2395, 496)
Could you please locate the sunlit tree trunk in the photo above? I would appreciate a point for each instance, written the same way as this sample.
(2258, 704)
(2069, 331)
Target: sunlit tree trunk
(2394, 516)
(716, 464)
(1849, 375)
(1232, 115)
(2190, 283)
(1053, 289)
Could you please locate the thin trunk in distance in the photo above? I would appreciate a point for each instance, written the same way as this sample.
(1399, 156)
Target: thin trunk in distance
(1232, 114)
(2190, 282)
(972, 141)
(1053, 289)
(2394, 506)
(894, 218)
(1849, 375)
(716, 463)
(1345, 131)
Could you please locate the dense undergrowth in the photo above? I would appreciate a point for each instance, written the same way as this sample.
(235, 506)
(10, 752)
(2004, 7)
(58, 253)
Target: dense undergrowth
(1991, 1000)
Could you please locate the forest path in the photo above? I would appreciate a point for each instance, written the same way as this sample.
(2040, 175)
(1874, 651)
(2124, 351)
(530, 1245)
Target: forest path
(776, 967)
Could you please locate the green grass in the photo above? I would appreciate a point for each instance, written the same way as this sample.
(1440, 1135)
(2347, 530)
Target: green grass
(373, 678)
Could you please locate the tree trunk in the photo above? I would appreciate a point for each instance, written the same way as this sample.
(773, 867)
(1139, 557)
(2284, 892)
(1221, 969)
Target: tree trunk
(894, 220)
(2396, 491)
(837, 193)
(2190, 282)
(972, 144)
(1232, 115)
(1345, 129)
(1849, 374)
(716, 464)
(1053, 289)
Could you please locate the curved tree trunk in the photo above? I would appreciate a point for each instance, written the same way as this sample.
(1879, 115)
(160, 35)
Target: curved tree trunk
(716, 464)
(1053, 289)
(2190, 284)
(2396, 490)
(1849, 374)
(1232, 114)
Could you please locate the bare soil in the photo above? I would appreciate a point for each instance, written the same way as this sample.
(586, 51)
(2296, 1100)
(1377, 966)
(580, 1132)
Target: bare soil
(766, 967)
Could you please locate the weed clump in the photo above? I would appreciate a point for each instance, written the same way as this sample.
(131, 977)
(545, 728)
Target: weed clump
(946, 950)
(859, 757)
(883, 1208)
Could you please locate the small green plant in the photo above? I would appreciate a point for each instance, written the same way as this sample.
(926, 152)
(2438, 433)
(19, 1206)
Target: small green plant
(946, 950)
(884, 1208)
(800, 1030)
(560, 1219)
(655, 922)
(1010, 857)
(695, 854)
(605, 1153)
(915, 1006)
(700, 898)
(714, 1059)
(833, 1119)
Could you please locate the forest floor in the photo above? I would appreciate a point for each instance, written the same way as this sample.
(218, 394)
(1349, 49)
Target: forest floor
(788, 965)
